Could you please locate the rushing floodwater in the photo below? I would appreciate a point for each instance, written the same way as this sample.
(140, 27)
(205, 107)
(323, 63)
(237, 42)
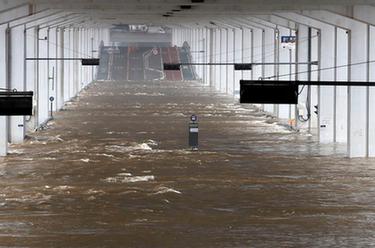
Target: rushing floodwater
(113, 170)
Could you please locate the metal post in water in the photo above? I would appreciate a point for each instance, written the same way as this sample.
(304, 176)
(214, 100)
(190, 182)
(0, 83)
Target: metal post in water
(51, 99)
(193, 133)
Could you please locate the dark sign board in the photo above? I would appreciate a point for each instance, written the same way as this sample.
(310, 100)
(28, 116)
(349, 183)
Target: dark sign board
(268, 92)
(172, 67)
(90, 62)
(16, 103)
(243, 67)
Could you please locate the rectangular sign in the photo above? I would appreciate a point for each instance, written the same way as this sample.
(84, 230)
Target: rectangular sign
(243, 67)
(90, 62)
(268, 92)
(172, 67)
(288, 39)
(16, 103)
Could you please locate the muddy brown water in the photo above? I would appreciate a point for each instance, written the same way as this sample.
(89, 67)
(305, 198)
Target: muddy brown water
(113, 170)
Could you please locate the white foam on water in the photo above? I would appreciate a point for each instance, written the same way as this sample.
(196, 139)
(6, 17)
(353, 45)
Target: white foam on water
(152, 142)
(164, 190)
(48, 158)
(105, 155)
(128, 149)
(85, 160)
(125, 174)
(63, 188)
(129, 179)
(16, 151)
(148, 94)
(276, 128)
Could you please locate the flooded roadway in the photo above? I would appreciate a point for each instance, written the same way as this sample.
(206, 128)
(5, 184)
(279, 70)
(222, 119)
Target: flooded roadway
(113, 170)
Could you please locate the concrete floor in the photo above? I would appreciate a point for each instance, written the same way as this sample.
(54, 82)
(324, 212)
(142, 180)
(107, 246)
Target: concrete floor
(114, 170)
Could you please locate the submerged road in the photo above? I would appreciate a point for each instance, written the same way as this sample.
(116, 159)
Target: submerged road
(113, 170)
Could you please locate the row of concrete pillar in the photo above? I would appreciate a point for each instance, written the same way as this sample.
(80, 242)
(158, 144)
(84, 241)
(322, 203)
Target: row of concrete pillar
(342, 46)
(35, 36)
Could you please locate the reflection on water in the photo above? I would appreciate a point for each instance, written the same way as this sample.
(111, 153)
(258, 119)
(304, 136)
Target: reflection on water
(113, 171)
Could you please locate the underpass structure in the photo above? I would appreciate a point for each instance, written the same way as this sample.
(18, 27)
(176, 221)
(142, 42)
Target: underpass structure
(338, 36)
(112, 86)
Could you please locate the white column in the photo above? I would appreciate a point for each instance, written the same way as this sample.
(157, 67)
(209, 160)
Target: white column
(60, 80)
(341, 92)
(367, 13)
(3, 84)
(302, 57)
(52, 66)
(238, 48)
(247, 51)
(67, 65)
(17, 50)
(257, 50)
(230, 58)
(269, 57)
(43, 101)
(284, 57)
(32, 74)
(217, 54)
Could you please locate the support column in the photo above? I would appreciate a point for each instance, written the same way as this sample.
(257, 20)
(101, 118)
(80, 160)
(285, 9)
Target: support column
(32, 74)
(217, 59)
(17, 73)
(52, 67)
(269, 48)
(247, 51)
(3, 84)
(238, 49)
(43, 101)
(230, 58)
(60, 80)
(223, 59)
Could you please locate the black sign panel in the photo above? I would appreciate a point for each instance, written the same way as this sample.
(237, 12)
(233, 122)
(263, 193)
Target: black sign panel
(90, 62)
(16, 103)
(172, 67)
(268, 92)
(243, 67)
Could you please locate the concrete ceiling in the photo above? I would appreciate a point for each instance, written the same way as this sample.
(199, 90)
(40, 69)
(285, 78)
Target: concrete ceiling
(152, 11)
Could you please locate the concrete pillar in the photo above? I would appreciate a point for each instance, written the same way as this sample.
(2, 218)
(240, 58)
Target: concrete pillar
(3, 84)
(230, 58)
(247, 51)
(60, 79)
(32, 74)
(302, 57)
(217, 54)
(210, 56)
(67, 65)
(341, 92)
(17, 72)
(238, 50)
(257, 52)
(367, 14)
(283, 70)
(223, 59)
(74, 51)
(43, 94)
(269, 49)
(52, 67)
